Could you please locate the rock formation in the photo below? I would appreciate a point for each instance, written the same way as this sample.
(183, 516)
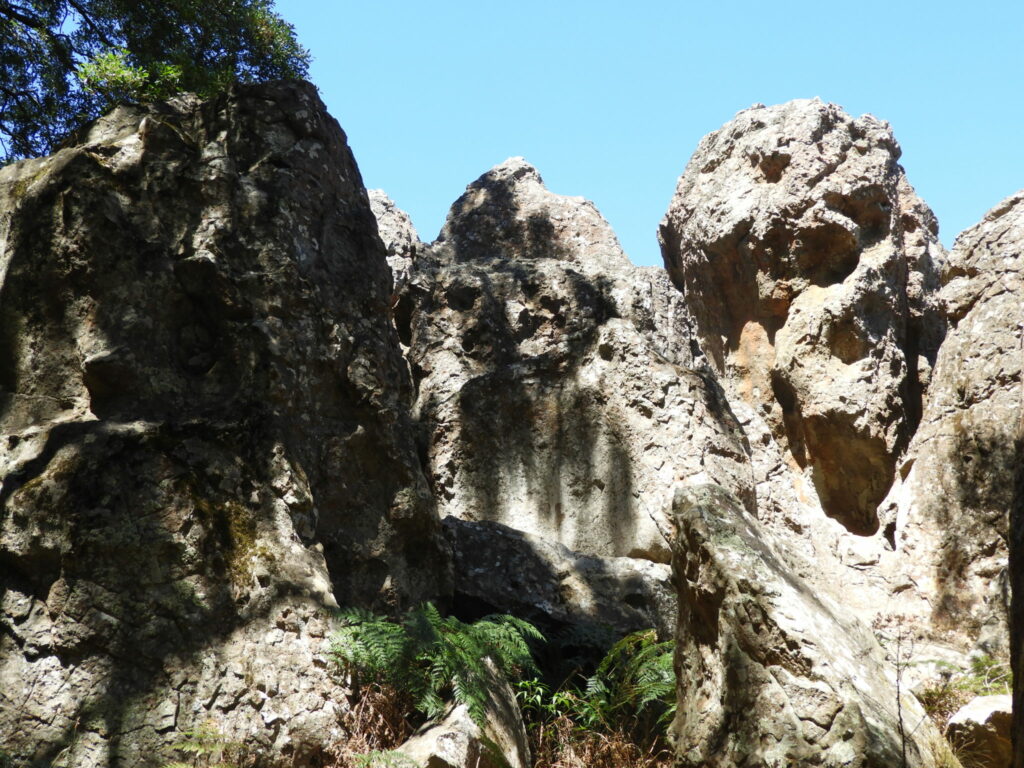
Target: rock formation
(981, 732)
(205, 432)
(770, 671)
(959, 478)
(226, 406)
(810, 267)
(553, 375)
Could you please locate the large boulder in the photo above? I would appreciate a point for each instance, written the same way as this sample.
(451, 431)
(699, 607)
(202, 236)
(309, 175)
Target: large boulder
(957, 484)
(810, 267)
(769, 670)
(498, 569)
(559, 386)
(980, 731)
(206, 439)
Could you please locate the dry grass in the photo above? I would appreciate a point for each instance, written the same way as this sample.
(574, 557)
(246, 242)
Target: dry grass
(378, 721)
(561, 744)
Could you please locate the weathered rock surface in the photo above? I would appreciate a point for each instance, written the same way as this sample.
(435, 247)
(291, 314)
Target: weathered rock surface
(771, 671)
(398, 234)
(457, 742)
(980, 731)
(557, 382)
(205, 432)
(500, 569)
(959, 479)
(810, 267)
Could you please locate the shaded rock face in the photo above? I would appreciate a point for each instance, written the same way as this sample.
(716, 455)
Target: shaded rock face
(501, 570)
(962, 475)
(771, 671)
(810, 266)
(553, 376)
(206, 441)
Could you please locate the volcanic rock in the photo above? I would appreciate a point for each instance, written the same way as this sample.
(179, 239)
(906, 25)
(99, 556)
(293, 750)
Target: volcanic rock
(206, 441)
(810, 267)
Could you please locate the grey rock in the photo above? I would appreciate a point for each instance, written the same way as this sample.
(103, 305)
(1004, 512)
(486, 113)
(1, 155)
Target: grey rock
(810, 268)
(980, 730)
(952, 501)
(504, 570)
(770, 671)
(398, 235)
(558, 384)
(205, 432)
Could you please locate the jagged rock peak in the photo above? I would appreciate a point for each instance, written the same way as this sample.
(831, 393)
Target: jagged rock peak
(509, 212)
(812, 270)
(398, 234)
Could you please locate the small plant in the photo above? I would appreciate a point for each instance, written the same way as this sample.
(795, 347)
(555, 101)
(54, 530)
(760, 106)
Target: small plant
(987, 676)
(616, 717)
(433, 658)
(208, 748)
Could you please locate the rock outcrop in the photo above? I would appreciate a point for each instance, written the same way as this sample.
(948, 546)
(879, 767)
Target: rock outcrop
(399, 236)
(959, 478)
(226, 406)
(554, 377)
(771, 671)
(810, 267)
(205, 432)
(980, 731)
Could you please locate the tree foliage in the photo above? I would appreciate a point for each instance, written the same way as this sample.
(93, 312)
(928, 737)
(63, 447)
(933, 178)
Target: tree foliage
(64, 62)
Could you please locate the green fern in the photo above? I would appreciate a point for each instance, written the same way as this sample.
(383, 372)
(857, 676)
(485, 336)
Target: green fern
(435, 658)
(637, 675)
(630, 696)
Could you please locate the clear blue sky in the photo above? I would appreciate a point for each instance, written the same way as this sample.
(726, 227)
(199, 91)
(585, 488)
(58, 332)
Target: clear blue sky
(609, 99)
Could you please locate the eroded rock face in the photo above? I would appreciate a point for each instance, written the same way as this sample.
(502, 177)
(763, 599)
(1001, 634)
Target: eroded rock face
(770, 670)
(962, 473)
(554, 377)
(206, 441)
(810, 267)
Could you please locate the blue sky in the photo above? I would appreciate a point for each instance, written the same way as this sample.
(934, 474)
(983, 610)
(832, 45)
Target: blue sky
(609, 99)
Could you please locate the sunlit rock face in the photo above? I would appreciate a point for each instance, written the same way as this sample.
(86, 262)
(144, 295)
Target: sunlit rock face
(960, 478)
(811, 268)
(206, 442)
(771, 669)
(556, 383)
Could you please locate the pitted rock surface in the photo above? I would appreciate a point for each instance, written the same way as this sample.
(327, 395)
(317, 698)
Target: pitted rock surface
(960, 478)
(554, 377)
(810, 268)
(206, 439)
(398, 235)
(770, 670)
